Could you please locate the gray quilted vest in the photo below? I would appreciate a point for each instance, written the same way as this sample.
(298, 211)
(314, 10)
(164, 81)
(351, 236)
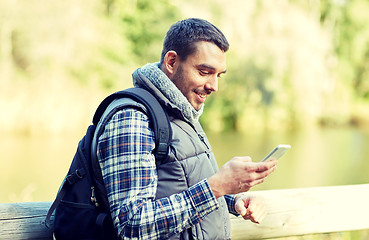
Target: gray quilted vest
(191, 160)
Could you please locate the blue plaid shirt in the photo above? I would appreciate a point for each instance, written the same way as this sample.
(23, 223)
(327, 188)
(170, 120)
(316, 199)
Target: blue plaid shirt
(129, 172)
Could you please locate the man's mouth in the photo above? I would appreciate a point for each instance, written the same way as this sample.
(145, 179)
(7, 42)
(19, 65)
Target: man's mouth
(202, 95)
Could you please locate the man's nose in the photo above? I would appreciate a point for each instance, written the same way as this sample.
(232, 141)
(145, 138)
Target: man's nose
(212, 84)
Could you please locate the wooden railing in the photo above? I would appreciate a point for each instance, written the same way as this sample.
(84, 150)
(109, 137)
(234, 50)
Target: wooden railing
(291, 212)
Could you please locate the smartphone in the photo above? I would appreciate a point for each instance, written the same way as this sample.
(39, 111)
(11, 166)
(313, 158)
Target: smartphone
(277, 152)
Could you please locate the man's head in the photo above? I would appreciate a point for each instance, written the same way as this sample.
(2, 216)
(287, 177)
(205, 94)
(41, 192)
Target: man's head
(182, 36)
(193, 57)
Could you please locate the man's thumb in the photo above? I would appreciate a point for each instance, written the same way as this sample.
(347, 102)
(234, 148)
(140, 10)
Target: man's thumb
(240, 208)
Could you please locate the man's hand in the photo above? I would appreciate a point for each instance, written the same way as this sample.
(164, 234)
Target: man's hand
(239, 175)
(250, 207)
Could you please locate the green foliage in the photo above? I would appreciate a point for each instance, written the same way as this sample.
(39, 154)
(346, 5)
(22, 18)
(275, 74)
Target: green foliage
(50, 50)
(294, 64)
(278, 73)
(144, 24)
(348, 21)
(290, 62)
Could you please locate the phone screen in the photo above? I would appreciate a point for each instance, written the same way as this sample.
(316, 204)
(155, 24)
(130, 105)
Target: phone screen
(277, 152)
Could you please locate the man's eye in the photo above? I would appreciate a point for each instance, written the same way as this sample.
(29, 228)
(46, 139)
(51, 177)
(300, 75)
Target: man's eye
(204, 72)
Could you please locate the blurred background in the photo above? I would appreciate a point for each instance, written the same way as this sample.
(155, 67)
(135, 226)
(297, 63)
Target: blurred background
(297, 73)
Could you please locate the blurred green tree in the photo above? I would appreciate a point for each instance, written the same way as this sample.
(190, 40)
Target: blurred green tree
(144, 24)
(348, 20)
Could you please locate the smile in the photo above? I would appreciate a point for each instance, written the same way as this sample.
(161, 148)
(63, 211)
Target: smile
(201, 95)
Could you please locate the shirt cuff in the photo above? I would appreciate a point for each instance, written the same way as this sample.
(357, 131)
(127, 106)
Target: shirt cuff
(231, 204)
(202, 198)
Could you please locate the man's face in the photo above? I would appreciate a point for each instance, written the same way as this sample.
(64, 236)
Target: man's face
(197, 76)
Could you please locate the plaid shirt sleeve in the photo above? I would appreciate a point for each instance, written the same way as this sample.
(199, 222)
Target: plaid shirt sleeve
(230, 203)
(130, 177)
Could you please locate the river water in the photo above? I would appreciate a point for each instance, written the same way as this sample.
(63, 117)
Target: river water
(32, 168)
(318, 157)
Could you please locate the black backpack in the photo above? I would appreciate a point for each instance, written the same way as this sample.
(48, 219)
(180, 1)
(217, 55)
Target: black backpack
(81, 206)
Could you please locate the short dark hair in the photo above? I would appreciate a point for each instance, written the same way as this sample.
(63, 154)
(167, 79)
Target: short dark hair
(182, 36)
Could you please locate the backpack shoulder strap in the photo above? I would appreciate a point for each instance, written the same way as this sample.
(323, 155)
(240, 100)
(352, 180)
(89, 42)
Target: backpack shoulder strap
(160, 121)
(131, 97)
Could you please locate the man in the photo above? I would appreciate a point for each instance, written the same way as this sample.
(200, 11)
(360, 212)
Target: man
(185, 196)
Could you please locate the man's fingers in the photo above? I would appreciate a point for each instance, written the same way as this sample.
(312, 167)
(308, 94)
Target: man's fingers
(265, 166)
(240, 207)
(259, 217)
(257, 178)
(260, 167)
(256, 211)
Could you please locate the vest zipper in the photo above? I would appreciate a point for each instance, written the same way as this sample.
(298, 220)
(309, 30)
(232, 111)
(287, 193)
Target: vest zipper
(203, 140)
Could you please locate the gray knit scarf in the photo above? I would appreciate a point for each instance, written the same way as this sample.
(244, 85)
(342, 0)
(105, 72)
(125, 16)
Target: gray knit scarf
(158, 78)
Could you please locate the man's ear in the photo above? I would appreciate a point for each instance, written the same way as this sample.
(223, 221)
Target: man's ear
(170, 62)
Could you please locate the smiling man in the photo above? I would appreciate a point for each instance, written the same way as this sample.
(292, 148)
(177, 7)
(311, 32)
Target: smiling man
(186, 196)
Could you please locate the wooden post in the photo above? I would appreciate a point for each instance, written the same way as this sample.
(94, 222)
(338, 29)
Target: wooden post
(291, 212)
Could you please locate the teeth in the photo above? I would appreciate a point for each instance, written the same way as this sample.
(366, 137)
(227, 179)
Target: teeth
(202, 95)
